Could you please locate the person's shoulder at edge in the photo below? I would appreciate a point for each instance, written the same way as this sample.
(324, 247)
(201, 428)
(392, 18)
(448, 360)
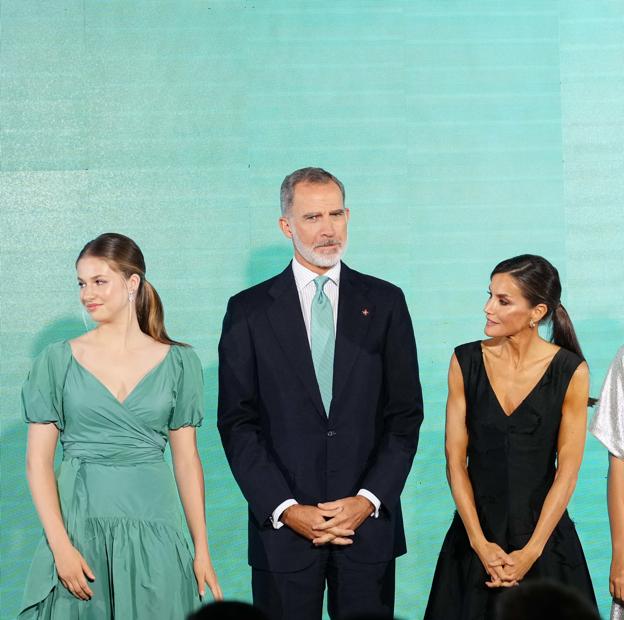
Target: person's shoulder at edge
(618, 358)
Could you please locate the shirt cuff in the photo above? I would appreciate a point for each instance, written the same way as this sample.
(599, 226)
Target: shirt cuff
(277, 513)
(373, 499)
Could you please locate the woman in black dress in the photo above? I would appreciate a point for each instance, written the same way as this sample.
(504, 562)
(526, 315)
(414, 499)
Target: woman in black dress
(515, 432)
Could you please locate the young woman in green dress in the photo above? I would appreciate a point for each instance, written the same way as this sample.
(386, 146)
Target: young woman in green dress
(114, 545)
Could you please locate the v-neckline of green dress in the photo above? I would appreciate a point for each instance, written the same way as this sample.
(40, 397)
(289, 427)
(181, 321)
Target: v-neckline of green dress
(136, 386)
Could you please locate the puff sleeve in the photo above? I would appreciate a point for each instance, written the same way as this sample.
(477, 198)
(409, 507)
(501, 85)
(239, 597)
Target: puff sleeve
(608, 422)
(188, 407)
(42, 392)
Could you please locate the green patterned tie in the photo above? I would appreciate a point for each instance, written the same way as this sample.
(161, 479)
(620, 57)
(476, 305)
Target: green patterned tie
(323, 341)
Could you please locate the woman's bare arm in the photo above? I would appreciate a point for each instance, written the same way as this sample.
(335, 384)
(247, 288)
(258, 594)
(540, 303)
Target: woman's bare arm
(70, 565)
(571, 443)
(190, 481)
(491, 555)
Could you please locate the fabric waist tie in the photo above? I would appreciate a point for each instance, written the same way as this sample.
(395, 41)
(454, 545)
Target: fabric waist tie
(71, 483)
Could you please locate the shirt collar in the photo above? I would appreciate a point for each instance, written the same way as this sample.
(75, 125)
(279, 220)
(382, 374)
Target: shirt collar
(303, 275)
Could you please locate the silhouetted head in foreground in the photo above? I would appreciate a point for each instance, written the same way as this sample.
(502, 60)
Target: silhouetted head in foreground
(228, 610)
(544, 600)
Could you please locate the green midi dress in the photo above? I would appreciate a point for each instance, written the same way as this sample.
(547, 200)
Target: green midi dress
(118, 495)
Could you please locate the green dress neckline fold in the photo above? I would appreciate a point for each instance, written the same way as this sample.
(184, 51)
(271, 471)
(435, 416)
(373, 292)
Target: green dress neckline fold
(136, 386)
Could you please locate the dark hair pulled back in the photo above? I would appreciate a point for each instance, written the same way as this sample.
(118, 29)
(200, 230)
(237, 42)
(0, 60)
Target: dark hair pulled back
(124, 256)
(539, 282)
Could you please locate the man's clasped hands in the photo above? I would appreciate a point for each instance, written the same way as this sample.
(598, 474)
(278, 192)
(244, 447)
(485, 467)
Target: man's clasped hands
(329, 522)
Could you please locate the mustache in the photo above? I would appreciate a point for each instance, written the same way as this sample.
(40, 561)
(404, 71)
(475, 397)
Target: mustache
(328, 243)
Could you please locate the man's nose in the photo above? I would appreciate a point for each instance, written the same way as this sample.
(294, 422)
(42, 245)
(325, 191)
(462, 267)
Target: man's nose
(327, 227)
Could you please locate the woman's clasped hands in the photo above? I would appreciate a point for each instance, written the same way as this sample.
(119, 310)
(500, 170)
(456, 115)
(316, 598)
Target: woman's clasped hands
(505, 569)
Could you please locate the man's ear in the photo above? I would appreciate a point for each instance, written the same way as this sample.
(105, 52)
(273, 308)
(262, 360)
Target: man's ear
(284, 224)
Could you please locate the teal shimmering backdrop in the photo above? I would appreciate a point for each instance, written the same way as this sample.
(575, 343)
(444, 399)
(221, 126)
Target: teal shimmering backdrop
(465, 131)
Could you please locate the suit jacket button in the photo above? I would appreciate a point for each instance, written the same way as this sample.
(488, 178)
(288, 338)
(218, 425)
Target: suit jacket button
(331, 433)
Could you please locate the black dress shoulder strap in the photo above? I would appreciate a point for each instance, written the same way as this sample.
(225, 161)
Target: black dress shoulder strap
(568, 361)
(469, 357)
(464, 352)
(563, 367)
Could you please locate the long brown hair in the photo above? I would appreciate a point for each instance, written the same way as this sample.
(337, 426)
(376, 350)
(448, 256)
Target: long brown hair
(125, 257)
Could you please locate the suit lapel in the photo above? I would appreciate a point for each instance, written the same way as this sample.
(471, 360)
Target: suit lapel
(355, 314)
(287, 322)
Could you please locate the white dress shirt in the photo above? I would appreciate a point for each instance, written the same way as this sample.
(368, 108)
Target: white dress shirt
(304, 280)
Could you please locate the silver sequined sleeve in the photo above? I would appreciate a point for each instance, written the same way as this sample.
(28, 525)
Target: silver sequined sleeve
(608, 422)
(608, 425)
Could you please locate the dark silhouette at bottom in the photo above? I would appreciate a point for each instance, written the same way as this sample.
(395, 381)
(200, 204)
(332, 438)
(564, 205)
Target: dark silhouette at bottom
(231, 610)
(544, 600)
(228, 610)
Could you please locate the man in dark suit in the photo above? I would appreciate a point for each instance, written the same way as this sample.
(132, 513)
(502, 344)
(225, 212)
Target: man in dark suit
(319, 412)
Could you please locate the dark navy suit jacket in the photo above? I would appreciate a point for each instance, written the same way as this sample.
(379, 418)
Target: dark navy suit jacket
(277, 437)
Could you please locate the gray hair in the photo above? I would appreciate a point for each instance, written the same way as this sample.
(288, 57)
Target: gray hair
(305, 175)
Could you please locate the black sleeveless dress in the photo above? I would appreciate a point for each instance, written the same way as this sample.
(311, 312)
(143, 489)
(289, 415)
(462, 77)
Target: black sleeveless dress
(511, 464)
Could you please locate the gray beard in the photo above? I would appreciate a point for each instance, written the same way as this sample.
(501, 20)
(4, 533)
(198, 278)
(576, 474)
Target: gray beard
(316, 258)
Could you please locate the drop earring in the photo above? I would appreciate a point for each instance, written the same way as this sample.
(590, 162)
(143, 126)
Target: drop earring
(531, 324)
(131, 296)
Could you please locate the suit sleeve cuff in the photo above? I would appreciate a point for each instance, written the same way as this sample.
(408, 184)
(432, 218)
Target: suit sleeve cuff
(277, 513)
(373, 499)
